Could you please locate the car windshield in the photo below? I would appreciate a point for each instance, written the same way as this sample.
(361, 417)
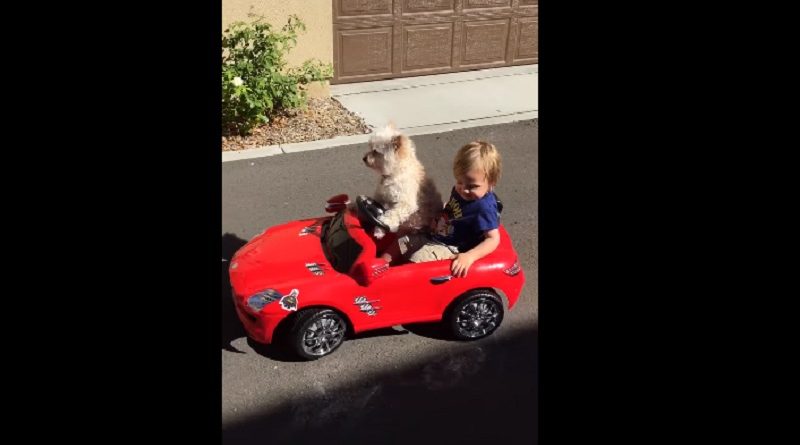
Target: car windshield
(340, 248)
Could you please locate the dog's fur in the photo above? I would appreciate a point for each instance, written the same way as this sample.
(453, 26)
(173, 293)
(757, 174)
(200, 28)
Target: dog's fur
(409, 197)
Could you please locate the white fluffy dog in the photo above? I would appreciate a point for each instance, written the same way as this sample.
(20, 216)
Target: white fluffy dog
(408, 195)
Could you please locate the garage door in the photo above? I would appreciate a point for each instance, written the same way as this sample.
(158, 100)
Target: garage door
(383, 39)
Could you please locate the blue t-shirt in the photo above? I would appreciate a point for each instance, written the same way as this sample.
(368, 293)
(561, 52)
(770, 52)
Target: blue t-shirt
(462, 223)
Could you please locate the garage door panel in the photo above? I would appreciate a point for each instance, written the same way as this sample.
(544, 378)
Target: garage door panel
(365, 51)
(427, 46)
(418, 6)
(354, 8)
(478, 4)
(484, 42)
(527, 39)
(383, 39)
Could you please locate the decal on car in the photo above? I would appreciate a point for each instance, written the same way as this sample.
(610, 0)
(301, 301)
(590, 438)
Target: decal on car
(289, 302)
(366, 306)
(310, 229)
(379, 269)
(316, 268)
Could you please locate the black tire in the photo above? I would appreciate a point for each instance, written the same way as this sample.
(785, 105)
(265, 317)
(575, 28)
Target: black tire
(316, 333)
(476, 314)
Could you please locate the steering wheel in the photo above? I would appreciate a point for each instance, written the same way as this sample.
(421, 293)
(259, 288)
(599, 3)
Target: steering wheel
(369, 211)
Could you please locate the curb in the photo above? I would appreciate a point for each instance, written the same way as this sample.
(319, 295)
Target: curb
(272, 150)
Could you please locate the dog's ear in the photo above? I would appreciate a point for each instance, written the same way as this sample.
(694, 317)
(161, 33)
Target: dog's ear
(400, 144)
(391, 125)
(397, 142)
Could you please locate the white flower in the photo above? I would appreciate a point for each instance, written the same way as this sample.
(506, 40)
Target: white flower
(237, 81)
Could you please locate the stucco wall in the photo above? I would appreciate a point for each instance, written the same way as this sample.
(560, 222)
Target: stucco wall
(316, 42)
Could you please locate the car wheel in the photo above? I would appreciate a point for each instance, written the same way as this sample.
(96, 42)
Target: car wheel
(475, 315)
(316, 333)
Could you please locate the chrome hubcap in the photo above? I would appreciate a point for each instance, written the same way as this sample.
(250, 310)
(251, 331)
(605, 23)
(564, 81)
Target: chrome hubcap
(323, 335)
(478, 318)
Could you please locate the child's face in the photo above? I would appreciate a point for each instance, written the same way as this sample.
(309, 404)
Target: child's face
(473, 185)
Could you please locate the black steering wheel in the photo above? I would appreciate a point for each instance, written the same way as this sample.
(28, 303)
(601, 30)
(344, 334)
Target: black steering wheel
(369, 211)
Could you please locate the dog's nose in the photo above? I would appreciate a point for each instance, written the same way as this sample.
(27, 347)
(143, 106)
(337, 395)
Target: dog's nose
(364, 159)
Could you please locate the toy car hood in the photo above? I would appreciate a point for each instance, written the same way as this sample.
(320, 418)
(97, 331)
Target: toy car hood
(282, 255)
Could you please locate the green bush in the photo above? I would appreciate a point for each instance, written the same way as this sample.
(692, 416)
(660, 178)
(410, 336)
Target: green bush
(255, 81)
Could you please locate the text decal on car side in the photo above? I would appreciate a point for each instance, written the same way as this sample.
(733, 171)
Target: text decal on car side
(366, 305)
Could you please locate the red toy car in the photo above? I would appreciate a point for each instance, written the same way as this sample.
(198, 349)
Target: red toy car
(311, 282)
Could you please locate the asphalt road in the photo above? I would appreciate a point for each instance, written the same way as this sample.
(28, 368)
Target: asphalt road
(400, 385)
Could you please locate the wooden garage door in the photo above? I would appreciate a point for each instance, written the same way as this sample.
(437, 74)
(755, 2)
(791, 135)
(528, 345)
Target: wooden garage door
(382, 39)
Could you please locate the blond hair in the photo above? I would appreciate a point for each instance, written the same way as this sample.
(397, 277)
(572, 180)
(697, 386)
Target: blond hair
(478, 155)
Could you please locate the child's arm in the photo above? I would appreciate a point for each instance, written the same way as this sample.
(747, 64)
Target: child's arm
(463, 261)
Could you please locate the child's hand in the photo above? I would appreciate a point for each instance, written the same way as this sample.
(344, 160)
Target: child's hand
(378, 233)
(461, 264)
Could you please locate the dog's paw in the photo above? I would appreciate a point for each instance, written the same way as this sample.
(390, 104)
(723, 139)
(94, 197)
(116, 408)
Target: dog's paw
(379, 233)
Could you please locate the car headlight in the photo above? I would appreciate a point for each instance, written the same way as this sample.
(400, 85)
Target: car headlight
(258, 300)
